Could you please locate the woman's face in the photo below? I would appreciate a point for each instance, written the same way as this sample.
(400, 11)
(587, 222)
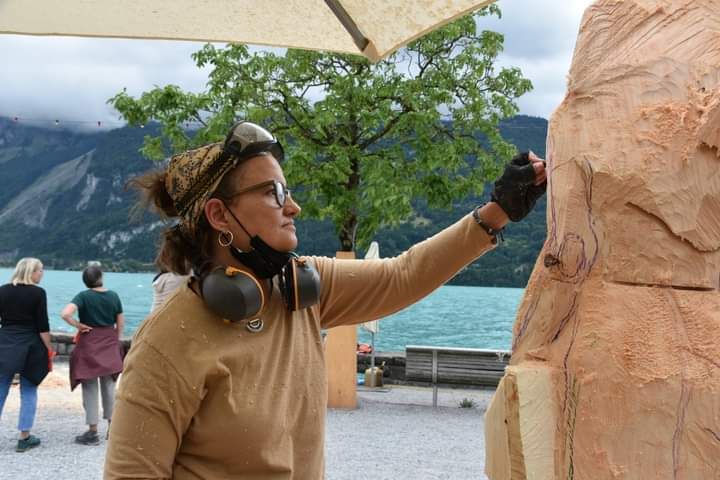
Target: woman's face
(258, 210)
(37, 275)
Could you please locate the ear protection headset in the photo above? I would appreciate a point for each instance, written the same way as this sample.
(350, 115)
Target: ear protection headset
(236, 295)
(300, 284)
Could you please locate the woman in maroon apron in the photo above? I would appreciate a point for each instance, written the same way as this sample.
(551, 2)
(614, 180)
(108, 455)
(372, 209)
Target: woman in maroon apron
(24, 342)
(97, 357)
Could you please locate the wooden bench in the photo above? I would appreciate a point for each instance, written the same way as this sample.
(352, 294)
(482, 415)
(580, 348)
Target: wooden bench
(467, 366)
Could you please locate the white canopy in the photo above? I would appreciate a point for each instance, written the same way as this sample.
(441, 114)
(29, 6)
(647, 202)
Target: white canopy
(374, 28)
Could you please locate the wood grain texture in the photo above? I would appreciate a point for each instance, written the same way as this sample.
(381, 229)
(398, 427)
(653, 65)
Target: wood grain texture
(624, 303)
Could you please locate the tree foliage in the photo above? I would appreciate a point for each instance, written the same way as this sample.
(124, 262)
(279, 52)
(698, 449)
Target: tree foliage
(363, 140)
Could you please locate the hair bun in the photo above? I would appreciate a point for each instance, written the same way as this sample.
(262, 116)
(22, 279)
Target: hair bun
(153, 193)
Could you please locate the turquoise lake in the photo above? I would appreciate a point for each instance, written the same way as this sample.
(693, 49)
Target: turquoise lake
(453, 316)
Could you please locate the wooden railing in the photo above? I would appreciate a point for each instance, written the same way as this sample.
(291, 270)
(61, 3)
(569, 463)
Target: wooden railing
(467, 366)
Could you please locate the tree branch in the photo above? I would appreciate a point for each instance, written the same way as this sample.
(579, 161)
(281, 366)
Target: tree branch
(306, 131)
(388, 127)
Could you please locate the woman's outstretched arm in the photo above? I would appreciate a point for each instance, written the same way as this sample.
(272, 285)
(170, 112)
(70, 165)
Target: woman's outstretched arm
(355, 291)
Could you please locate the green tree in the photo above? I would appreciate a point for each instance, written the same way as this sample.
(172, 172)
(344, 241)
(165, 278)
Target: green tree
(363, 139)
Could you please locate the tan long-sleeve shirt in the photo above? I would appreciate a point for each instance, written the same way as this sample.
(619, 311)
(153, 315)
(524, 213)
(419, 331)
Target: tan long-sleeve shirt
(203, 399)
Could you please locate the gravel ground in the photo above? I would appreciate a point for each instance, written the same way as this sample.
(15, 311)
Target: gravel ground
(395, 433)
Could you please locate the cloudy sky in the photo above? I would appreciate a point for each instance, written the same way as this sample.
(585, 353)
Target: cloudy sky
(70, 79)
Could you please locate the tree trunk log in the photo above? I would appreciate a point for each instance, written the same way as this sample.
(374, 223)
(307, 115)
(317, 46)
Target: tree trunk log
(615, 370)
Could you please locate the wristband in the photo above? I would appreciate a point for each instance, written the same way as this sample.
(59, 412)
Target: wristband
(488, 229)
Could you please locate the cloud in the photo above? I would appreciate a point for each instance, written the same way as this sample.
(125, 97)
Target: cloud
(45, 78)
(538, 28)
(72, 78)
(539, 39)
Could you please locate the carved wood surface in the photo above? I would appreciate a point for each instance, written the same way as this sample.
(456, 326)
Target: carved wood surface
(622, 310)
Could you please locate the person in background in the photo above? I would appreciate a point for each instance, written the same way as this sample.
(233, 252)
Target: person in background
(164, 284)
(24, 343)
(227, 379)
(97, 357)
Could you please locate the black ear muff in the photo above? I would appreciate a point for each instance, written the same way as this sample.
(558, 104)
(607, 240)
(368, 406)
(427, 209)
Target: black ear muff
(232, 294)
(301, 285)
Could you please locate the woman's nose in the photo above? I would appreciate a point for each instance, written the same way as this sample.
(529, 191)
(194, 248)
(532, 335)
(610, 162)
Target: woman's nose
(292, 209)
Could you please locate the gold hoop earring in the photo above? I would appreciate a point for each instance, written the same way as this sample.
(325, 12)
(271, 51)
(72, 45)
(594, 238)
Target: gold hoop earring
(225, 238)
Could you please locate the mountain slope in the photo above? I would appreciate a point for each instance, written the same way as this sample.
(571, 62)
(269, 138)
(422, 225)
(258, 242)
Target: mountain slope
(66, 196)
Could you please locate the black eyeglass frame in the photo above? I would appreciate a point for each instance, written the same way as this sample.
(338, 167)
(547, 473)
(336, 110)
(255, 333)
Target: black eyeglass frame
(281, 192)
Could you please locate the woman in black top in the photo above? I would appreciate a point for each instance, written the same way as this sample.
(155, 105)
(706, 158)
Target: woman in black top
(24, 342)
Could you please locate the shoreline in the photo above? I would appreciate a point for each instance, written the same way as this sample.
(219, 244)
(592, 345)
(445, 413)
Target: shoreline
(394, 371)
(110, 267)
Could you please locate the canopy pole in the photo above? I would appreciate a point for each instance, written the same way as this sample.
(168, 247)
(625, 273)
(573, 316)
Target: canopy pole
(360, 40)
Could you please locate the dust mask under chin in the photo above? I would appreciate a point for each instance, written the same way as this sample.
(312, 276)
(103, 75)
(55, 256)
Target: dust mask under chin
(263, 260)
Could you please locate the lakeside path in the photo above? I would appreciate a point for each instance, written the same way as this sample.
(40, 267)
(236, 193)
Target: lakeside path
(394, 434)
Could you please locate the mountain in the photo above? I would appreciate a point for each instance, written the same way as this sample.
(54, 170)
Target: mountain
(63, 200)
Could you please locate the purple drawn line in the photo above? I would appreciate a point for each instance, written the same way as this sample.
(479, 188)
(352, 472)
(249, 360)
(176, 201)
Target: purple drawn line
(551, 234)
(713, 433)
(682, 336)
(584, 264)
(573, 309)
(591, 223)
(525, 321)
(682, 407)
(566, 359)
(571, 313)
(575, 277)
(553, 215)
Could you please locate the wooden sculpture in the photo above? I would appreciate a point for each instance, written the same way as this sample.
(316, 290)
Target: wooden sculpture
(615, 370)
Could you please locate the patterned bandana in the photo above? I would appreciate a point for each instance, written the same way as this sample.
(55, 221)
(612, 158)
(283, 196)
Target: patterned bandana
(191, 179)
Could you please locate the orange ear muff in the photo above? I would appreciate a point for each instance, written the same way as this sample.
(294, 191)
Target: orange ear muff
(301, 285)
(233, 294)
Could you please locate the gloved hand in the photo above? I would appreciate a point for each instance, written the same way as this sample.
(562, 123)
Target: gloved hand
(515, 191)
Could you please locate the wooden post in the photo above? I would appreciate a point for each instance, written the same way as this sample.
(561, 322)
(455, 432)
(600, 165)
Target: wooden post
(341, 361)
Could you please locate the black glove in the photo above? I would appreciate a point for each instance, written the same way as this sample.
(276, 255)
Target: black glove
(515, 191)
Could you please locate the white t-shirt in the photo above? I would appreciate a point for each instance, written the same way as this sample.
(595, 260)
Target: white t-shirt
(164, 285)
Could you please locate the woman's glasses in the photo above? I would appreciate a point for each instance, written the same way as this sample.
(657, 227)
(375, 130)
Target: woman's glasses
(280, 191)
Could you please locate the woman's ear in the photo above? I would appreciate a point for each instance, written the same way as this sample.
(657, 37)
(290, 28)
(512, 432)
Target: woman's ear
(215, 213)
